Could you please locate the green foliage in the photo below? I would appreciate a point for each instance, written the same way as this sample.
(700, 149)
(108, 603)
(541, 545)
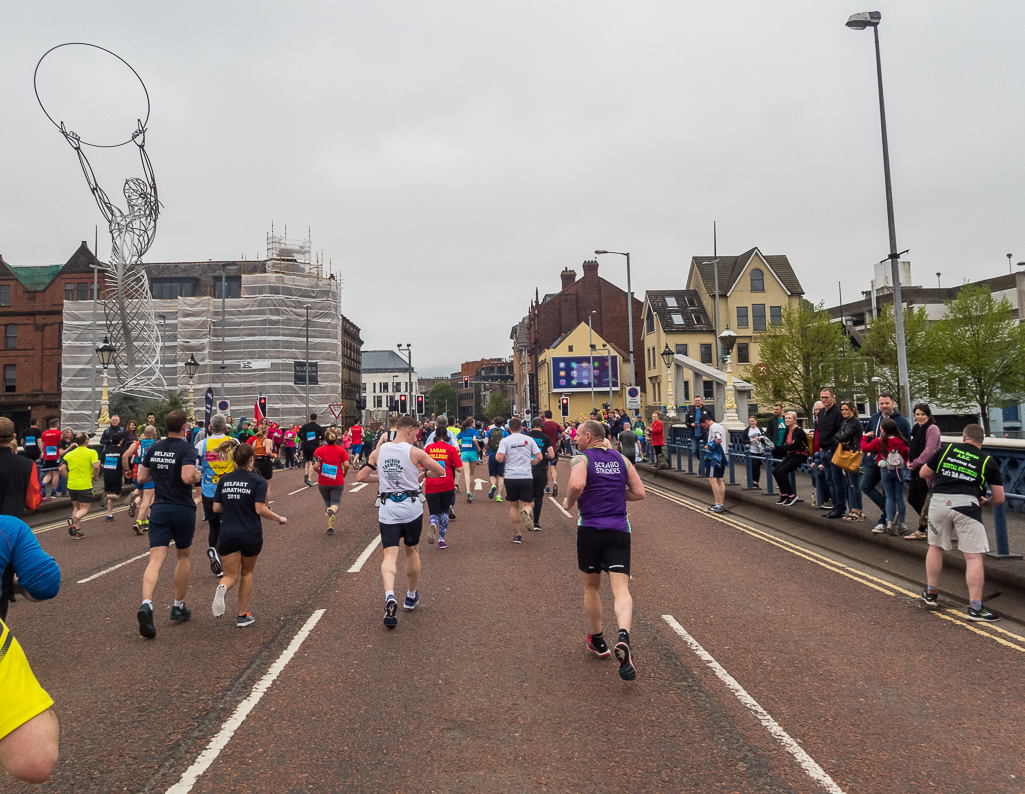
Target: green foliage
(801, 355)
(442, 398)
(497, 405)
(129, 407)
(879, 352)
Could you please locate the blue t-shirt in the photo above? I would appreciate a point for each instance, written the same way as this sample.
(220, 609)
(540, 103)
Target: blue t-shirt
(468, 440)
(36, 570)
(487, 435)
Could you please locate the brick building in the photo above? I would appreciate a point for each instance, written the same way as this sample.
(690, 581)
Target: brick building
(31, 311)
(352, 364)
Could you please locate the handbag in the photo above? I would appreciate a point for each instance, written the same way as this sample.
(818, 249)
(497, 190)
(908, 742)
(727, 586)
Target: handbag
(846, 460)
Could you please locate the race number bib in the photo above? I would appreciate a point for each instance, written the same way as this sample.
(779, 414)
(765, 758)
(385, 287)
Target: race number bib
(329, 471)
(311, 436)
(51, 452)
(110, 462)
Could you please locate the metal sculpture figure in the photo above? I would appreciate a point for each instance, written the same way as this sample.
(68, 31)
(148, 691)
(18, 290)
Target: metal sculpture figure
(127, 301)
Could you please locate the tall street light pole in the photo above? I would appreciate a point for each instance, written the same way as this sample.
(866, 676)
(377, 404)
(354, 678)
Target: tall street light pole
(629, 307)
(307, 378)
(407, 349)
(860, 22)
(224, 304)
(191, 368)
(590, 342)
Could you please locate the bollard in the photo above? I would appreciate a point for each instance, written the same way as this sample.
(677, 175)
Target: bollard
(768, 475)
(1000, 527)
(750, 473)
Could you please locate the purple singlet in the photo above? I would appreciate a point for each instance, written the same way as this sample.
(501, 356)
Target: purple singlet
(603, 502)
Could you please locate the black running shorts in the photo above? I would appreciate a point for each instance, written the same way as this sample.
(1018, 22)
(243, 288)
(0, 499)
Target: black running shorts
(603, 550)
(519, 490)
(409, 533)
(495, 469)
(112, 482)
(172, 522)
(249, 548)
(438, 503)
(82, 497)
(264, 466)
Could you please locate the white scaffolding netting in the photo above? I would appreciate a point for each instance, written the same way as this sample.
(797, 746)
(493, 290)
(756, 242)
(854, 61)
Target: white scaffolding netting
(264, 335)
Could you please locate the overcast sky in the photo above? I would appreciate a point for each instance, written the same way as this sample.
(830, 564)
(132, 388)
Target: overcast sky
(451, 157)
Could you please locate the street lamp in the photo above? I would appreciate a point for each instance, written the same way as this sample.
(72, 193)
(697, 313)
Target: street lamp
(608, 356)
(191, 368)
(408, 350)
(938, 285)
(870, 19)
(105, 354)
(667, 357)
(629, 307)
(730, 420)
(1009, 270)
(590, 341)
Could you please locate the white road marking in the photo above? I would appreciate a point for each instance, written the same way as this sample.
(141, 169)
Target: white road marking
(356, 566)
(358, 487)
(478, 484)
(218, 743)
(558, 504)
(807, 763)
(112, 568)
(293, 493)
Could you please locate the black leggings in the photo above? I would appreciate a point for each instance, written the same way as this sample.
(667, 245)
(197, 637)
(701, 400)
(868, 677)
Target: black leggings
(289, 456)
(213, 521)
(539, 496)
(781, 471)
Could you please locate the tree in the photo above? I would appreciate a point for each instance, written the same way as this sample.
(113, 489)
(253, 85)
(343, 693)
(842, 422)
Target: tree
(879, 352)
(805, 352)
(442, 399)
(129, 407)
(497, 405)
(982, 348)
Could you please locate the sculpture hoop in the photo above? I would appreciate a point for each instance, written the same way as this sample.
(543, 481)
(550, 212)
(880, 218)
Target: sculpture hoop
(35, 86)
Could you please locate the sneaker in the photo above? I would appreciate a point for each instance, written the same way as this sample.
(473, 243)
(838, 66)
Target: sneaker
(218, 605)
(782, 499)
(527, 522)
(47, 498)
(78, 534)
(547, 489)
(598, 647)
(717, 509)
(536, 528)
(72, 529)
(146, 627)
(982, 615)
(245, 620)
(555, 489)
(410, 603)
(145, 525)
(498, 497)
(137, 527)
(432, 533)
(109, 518)
(451, 515)
(391, 606)
(792, 499)
(710, 508)
(626, 663)
(330, 531)
(491, 493)
(180, 614)
(932, 600)
(332, 521)
(517, 538)
(469, 498)
(891, 528)
(826, 505)
(879, 529)
(215, 561)
(442, 544)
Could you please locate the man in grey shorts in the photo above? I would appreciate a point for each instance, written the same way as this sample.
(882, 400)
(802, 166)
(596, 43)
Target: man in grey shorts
(960, 474)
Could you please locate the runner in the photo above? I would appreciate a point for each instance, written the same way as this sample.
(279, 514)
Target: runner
(51, 458)
(241, 499)
(263, 452)
(396, 465)
(171, 465)
(142, 499)
(82, 467)
(519, 454)
(311, 436)
(440, 491)
(215, 456)
(113, 470)
(602, 481)
(356, 434)
(332, 464)
(496, 470)
(551, 429)
(540, 472)
(467, 441)
(30, 441)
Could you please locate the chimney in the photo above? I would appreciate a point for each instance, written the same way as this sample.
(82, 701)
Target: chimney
(568, 277)
(590, 269)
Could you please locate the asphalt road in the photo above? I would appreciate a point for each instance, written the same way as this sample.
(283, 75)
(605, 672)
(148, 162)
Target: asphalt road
(764, 665)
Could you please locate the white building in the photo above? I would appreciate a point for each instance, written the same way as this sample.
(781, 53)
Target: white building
(385, 377)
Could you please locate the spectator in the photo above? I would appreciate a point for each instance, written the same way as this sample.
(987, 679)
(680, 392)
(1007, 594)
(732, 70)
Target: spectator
(818, 477)
(776, 430)
(830, 420)
(794, 451)
(925, 441)
(113, 427)
(695, 415)
(756, 446)
(658, 441)
(849, 438)
(891, 450)
(870, 472)
(718, 459)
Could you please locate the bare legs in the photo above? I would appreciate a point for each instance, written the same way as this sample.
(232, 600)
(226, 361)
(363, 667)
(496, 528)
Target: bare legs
(239, 569)
(623, 601)
(182, 572)
(390, 562)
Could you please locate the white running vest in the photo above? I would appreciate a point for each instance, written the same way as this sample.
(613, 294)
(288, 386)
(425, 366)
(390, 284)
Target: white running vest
(397, 473)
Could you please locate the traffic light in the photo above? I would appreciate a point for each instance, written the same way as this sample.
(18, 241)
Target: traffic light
(466, 381)
(565, 406)
(361, 403)
(402, 403)
(263, 406)
(420, 404)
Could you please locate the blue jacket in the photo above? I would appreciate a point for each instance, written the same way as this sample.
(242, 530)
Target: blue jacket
(36, 570)
(903, 425)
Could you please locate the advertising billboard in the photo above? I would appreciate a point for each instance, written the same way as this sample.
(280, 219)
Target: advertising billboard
(573, 373)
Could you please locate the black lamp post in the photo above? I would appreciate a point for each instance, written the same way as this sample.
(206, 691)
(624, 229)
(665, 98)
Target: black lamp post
(191, 368)
(667, 358)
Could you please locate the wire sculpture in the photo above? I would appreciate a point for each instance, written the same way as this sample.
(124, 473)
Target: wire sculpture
(127, 300)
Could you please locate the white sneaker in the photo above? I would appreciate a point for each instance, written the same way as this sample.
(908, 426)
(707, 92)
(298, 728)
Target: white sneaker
(218, 605)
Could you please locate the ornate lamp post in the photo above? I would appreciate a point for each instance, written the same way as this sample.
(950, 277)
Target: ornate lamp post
(191, 368)
(105, 354)
(667, 357)
(730, 419)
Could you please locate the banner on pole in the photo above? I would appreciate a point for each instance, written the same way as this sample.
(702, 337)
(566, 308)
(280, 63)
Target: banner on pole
(209, 407)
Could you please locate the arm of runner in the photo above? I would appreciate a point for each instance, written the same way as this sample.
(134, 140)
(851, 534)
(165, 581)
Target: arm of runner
(265, 512)
(96, 470)
(577, 481)
(368, 472)
(634, 484)
(927, 474)
(190, 475)
(126, 459)
(39, 576)
(143, 477)
(550, 453)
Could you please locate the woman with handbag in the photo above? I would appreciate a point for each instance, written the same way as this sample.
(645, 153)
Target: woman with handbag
(892, 458)
(925, 440)
(848, 458)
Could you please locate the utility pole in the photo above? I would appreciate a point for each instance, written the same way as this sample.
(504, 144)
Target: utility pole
(307, 360)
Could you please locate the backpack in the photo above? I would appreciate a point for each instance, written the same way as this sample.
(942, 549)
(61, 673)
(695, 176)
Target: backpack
(894, 460)
(494, 438)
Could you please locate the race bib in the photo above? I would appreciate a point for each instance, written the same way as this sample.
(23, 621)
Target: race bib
(30, 441)
(110, 462)
(329, 471)
(51, 452)
(311, 436)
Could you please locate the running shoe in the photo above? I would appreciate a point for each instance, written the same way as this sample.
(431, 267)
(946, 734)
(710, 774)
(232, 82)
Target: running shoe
(791, 500)
(133, 508)
(410, 603)
(245, 620)
(391, 606)
(626, 663)
(180, 614)
(109, 518)
(548, 489)
(47, 498)
(498, 497)
(469, 497)
(526, 521)
(517, 538)
(451, 515)
(598, 646)
(330, 531)
(982, 615)
(145, 525)
(218, 605)
(137, 526)
(932, 600)
(782, 499)
(491, 493)
(432, 533)
(215, 561)
(146, 627)
(555, 489)
(72, 529)
(442, 544)
(332, 520)
(717, 508)
(536, 528)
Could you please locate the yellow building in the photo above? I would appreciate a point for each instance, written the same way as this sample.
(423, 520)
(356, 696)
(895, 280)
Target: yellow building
(565, 369)
(676, 318)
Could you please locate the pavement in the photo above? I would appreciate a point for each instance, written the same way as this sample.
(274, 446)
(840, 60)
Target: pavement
(766, 663)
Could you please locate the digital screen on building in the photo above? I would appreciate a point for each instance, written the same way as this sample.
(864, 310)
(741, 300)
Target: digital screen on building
(574, 373)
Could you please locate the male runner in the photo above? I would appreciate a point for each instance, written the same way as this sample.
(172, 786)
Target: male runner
(396, 465)
(356, 435)
(215, 459)
(51, 457)
(496, 471)
(519, 453)
(30, 441)
(81, 467)
(540, 472)
(141, 500)
(311, 436)
(171, 464)
(552, 430)
(602, 481)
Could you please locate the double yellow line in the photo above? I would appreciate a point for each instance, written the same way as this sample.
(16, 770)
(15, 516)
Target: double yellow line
(887, 588)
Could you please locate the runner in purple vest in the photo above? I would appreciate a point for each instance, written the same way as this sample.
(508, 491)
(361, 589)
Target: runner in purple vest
(601, 482)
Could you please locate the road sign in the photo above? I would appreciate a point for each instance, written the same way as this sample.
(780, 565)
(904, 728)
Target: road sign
(336, 409)
(300, 368)
(633, 398)
(223, 406)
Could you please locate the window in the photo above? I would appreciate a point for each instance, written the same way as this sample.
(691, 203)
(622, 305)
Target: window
(363, 387)
(757, 281)
(743, 353)
(85, 292)
(571, 348)
(691, 301)
(742, 317)
(686, 391)
(60, 334)
(706, 354)
(1011, 414)
(171, 288)
(649, 323)
(5, 294)
(758, 317)
(69, 291)
(378, 401)
(384, 387)
(681, 350)
(670, 301)
(677, 318)
(775, 315)
(10, 378)
(10, 337)
(233, 286)
(709, 390)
